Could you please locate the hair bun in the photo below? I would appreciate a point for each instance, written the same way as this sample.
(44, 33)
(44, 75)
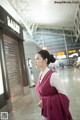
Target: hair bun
(52, 58)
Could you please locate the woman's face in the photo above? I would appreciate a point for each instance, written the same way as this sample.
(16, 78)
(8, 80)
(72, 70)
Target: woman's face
(39, 61)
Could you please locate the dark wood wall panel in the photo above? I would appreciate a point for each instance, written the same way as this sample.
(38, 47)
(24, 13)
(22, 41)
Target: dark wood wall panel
(12, 58)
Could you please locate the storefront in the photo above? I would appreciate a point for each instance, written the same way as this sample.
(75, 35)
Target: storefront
(12, 61)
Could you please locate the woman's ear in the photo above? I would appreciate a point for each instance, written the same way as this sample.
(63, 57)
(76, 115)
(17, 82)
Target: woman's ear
(46, 60)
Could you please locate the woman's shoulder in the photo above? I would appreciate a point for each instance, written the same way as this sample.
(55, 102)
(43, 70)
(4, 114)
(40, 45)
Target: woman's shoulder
(55, 74)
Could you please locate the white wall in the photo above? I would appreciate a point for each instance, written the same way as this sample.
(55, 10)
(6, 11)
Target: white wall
(30, 49)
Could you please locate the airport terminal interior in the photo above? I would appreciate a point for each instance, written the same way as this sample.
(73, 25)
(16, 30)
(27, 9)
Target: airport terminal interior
(26, 27)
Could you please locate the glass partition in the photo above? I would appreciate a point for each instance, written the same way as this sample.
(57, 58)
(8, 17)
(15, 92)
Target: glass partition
(1, 82)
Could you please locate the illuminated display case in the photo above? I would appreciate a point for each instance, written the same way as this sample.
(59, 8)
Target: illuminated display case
(2, 94)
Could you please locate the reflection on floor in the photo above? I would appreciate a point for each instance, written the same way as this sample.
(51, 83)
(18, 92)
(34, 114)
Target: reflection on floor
(26, 107)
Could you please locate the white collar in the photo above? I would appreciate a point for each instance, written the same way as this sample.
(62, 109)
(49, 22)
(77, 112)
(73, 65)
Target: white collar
(44, 73)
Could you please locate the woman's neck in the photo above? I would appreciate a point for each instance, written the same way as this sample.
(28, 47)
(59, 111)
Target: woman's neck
(43, 68)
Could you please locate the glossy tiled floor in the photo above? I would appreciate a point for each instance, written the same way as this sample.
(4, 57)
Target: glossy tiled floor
(25, 108)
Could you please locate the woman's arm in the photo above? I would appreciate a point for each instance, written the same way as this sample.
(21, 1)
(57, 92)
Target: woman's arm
(56, 82)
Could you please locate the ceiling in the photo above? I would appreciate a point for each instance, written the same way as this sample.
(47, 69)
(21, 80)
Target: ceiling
(34, 13)
(47, 12)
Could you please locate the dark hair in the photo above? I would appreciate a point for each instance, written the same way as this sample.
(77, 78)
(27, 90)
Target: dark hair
(45, 54)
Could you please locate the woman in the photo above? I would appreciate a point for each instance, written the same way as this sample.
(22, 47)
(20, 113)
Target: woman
(53, 98)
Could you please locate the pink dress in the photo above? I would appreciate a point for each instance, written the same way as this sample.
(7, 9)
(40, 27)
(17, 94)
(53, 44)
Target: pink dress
(55, 105)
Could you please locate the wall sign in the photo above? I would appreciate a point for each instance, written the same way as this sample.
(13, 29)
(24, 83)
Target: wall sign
(9, 24)
(12, 24)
